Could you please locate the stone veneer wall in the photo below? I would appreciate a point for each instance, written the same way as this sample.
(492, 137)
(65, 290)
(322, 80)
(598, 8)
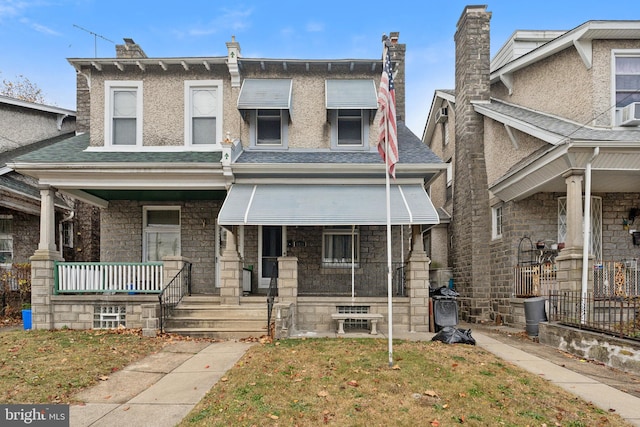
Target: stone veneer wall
(77, 311)
(121, 236)
(26, 234)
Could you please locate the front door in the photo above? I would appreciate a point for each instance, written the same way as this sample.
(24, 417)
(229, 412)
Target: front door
(270, 248)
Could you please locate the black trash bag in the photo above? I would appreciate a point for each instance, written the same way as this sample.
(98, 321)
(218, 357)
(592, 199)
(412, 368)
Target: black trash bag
(451, 335)
(443, 292)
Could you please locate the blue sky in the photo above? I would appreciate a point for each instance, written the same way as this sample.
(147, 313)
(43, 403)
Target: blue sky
(37, 36)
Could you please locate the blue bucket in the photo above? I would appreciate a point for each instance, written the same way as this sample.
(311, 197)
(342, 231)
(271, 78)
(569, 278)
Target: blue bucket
(26, 319)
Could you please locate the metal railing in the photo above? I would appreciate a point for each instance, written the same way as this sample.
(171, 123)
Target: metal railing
(617, 316)
(172, 294)
(108, 277)
(616, 278)
(369, 280)
(534, 280)
(272, 292)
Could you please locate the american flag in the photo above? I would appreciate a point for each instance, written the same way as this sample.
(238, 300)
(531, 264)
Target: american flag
(388, 137)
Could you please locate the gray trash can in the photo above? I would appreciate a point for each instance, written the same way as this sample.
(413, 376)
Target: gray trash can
(534, 313)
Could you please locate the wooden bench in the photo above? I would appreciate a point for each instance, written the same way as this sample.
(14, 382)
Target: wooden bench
(372, 317)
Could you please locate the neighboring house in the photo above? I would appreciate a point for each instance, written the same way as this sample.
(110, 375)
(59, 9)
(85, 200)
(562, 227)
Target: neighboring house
(551, 121)
(248, 173)
(26, 127)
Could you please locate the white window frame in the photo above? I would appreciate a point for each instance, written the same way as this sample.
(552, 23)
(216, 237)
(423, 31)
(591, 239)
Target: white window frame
(189, 86)
(496, 221)
(617, 53)
(334, 118)
(111, 86)
(66, 234)
(595, 235)
(284, 131)
(340, 231)
(146, 228)
(8, 237)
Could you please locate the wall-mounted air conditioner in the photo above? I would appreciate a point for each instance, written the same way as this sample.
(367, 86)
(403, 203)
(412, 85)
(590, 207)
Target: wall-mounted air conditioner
(441, 115)
(631, 115)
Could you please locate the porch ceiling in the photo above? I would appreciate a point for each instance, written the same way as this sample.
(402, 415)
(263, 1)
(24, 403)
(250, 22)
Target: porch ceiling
(158, 196)
(298, 204)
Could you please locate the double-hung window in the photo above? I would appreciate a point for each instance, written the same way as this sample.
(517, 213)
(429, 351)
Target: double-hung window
(496, 222)
(6, 239)
(627, 87)
(350, 105)
(161, 232)
(340, 246)
(266, 106)
(123, 113)
(203, 112)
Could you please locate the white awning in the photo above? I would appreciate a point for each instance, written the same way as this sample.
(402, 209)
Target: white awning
(298, 204)
(351, 94)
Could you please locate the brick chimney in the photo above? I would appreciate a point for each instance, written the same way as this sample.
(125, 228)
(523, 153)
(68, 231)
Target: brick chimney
(398, 52)
(129, 49)
(471, 223)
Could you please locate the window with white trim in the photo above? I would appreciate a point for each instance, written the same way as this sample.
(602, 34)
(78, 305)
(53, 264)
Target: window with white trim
(496, 222)
(350, 128)
(338, 247)
(627, 80)
(203, 112)
(123, 113)
(449, 191)
(66, 234)
(161, 232)
(269, 128)
(6, 239)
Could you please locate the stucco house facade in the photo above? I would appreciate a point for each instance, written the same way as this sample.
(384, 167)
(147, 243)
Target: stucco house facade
(234, 175)
(552, 120)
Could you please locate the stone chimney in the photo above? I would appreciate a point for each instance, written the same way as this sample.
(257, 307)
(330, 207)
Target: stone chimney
(471, 223)
(398, 53)
(129, 49)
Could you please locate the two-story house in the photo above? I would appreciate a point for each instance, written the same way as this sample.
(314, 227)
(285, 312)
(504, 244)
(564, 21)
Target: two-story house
(549, 123)
(220, 177)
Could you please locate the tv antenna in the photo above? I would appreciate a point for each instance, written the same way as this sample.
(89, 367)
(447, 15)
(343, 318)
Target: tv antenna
(95, 38)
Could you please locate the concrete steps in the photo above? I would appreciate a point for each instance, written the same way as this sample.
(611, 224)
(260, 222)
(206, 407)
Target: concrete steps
(203, 316)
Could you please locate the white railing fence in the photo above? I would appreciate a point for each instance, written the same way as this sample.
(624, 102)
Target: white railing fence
(100, 277)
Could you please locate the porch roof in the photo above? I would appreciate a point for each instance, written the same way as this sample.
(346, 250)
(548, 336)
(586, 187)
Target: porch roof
(334, 204)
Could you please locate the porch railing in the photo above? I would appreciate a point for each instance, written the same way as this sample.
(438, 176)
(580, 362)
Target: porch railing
(616, 278)
(115, 277)
(534, 280)
(617, 316)
(369, 280)
(172, 294)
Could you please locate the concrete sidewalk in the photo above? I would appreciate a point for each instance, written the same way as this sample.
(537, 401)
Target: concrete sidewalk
(160, 390)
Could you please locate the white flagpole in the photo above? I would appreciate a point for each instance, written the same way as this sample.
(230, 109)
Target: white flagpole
(389, 277)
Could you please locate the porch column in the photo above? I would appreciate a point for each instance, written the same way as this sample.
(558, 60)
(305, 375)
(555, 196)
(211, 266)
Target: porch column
(288, 279)
(417, 277)
(230, 272)
(569, 261)
(43, 264)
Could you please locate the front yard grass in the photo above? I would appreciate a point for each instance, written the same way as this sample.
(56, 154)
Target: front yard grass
(42, 366)
(347, 382)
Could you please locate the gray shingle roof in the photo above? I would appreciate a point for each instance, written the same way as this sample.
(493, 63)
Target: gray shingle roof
(410, 150)
(563, 128)
(7, 156)
(72, 150)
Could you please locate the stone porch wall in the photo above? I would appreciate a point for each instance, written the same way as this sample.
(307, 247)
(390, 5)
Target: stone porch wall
(77, 311)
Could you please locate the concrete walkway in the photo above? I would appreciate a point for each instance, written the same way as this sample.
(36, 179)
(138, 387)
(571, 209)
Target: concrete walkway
(163, 388)
(159, 390)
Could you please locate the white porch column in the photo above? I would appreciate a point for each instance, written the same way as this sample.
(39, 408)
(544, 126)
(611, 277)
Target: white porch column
(230, 272)
(47, 220)
(574, 211)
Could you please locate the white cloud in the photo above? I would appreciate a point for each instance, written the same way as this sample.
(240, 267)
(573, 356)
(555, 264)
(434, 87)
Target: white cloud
(315, 27)
(229, 19)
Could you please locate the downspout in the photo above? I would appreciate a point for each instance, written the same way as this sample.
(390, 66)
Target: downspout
(586, 235)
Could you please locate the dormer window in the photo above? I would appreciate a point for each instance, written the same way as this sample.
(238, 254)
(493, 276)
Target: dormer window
(351, 105)
(266, 105)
